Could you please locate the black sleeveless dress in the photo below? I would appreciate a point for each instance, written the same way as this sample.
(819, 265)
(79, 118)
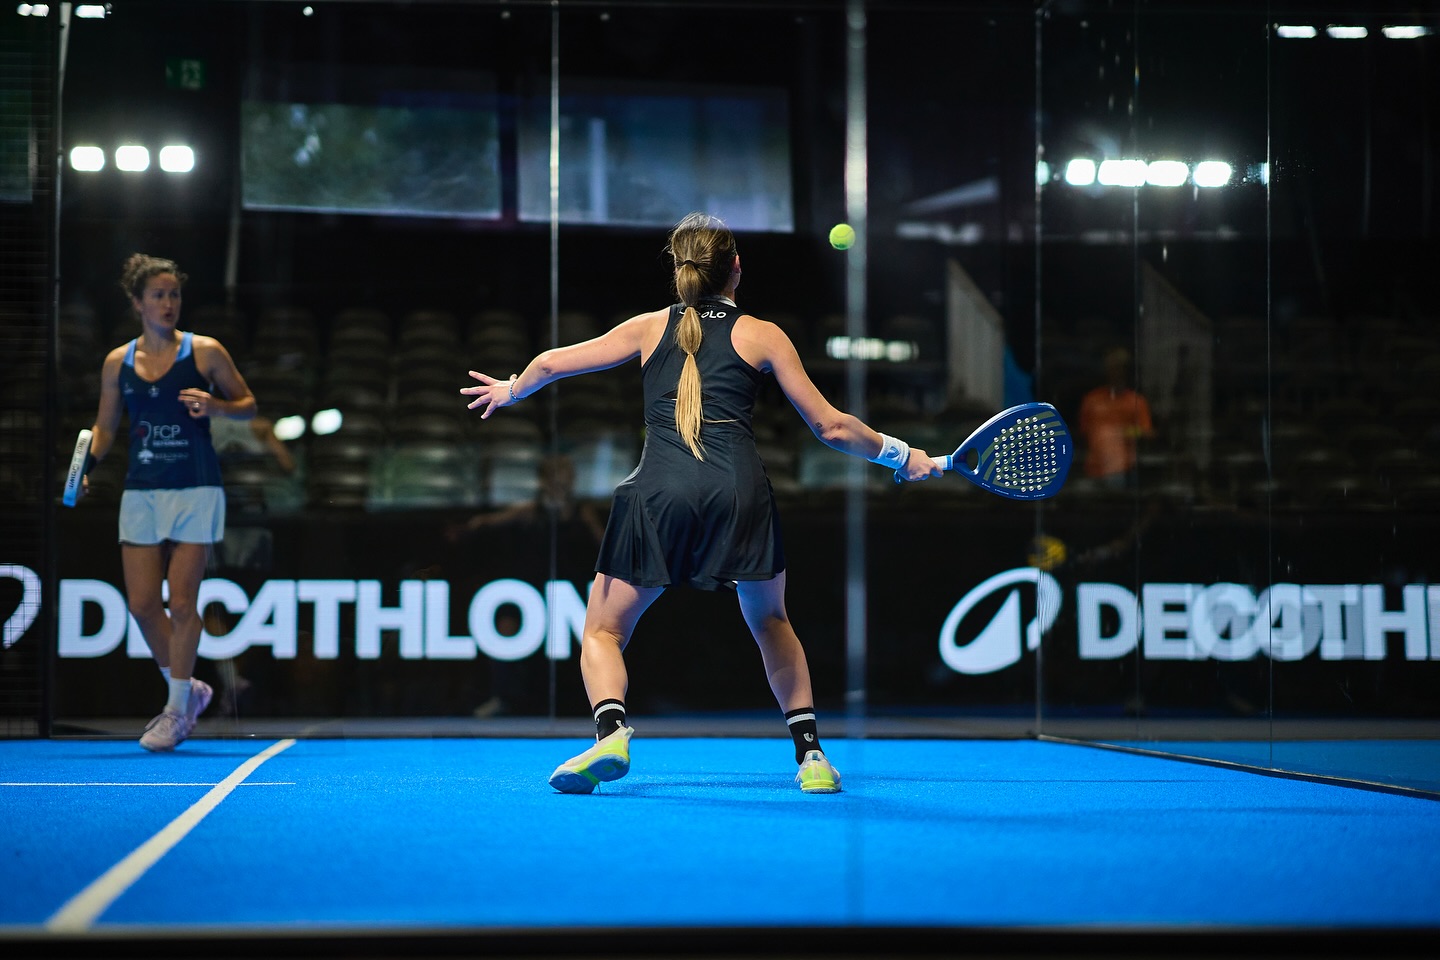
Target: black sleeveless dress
(679, 520)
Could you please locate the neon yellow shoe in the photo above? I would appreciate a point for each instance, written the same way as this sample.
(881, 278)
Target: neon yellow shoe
(609, 759)
(817, 775)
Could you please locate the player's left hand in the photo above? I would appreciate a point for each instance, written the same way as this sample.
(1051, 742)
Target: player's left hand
(491, 393)
(197, 403)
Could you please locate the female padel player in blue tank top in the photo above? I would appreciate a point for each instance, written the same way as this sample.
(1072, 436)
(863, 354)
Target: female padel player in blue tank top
(170, 383)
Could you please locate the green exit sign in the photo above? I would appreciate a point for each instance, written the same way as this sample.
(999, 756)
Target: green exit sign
(185, 74)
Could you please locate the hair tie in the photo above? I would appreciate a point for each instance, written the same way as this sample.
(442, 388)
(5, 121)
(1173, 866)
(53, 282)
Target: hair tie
(682, 263)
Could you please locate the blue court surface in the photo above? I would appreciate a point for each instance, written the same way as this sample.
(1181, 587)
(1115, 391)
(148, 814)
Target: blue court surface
(374, 838)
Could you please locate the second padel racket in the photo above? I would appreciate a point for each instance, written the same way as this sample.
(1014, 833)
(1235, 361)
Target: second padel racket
(79, 462)
(1022, 453)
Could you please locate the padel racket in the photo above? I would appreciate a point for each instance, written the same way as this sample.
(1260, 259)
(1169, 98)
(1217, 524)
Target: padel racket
(79, 463)
(1022, 453)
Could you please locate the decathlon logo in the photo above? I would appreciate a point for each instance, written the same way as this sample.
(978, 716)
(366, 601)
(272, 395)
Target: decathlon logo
(505, 619)
(1195, 621)
(998, 644)
(27, 609)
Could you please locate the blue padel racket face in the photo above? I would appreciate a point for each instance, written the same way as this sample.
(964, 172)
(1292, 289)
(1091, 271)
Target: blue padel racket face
(1022, 453)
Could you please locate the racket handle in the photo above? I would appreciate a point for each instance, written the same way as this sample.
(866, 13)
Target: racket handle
(946, 462)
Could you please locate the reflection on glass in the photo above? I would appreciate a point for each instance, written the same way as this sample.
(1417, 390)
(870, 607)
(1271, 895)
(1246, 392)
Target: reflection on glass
(1251, 230)
(634, 155)
(1264, 599)
(1150, 247)
(389, 142)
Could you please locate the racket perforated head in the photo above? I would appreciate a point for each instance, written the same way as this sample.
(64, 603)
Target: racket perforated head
(1024, 453)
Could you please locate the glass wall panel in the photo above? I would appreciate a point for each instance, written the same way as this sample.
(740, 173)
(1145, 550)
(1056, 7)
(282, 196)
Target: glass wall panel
(1278, 604)
(954, 604)
(1353, 324)
(656, 120)
(1153, 326)
(1214, 266)
(381, 197)
(347, 216)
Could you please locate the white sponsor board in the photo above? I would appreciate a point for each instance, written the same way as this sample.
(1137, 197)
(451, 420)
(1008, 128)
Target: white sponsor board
(93, 620)
(1163, 621)
(1194, 621)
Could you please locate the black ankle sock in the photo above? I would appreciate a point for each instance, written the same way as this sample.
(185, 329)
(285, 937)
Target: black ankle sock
(609, 717)
(803, 731)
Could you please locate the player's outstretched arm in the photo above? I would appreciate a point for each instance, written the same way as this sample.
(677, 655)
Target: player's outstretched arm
(620, 343)
(833, 427)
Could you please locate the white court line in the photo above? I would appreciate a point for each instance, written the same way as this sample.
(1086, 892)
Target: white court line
(86, 906)
(101, 783)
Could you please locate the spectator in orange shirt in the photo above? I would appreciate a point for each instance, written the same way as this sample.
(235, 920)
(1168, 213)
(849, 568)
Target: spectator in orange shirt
(1113, 418)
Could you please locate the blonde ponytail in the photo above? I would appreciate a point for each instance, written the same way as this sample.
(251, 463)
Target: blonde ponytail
(704, 252)
(687, 395)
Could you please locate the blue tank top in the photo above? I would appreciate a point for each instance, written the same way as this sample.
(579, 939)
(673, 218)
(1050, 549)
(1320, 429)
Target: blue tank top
(169, 449)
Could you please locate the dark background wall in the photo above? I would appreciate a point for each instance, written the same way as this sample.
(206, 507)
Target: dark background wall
(962, 100)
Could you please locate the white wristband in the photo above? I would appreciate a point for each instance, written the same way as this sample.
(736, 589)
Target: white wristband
(893, 453)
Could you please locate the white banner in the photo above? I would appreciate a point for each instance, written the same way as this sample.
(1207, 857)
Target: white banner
(505, 620)
(510, 619)
(1194, 621)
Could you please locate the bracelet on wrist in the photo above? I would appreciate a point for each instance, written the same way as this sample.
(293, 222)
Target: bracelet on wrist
(513, 398)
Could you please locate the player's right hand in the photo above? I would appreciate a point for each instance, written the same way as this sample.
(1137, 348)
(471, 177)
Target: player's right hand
(919, 467)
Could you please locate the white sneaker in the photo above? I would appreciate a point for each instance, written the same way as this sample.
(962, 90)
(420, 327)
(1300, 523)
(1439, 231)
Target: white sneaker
(165, 732)
(200, 694)
(816, 775)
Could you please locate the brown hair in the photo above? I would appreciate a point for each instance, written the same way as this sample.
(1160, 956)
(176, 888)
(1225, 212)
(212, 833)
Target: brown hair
(704, 252)
(140, 268)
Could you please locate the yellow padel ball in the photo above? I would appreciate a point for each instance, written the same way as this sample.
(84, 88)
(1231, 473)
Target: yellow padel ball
(1046, 553)
(842, 236)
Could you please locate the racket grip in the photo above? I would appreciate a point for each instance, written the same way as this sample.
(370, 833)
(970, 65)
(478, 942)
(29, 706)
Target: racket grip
(946, 462)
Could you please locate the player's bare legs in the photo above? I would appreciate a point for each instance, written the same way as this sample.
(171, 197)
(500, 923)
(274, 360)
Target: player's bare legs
(610, 617)
(762, 602)
(187, 568)
(144, 568)
(173, 638)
